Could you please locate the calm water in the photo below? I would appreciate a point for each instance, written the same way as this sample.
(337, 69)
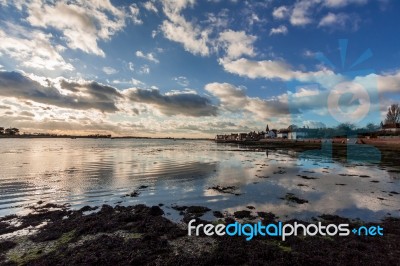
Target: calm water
(102, 171)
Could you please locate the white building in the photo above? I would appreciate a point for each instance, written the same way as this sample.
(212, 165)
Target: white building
(391, 127)
(270, 134)
(298, 134)
(283, 134)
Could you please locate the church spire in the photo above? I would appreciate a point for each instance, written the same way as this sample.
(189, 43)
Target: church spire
(267, 129)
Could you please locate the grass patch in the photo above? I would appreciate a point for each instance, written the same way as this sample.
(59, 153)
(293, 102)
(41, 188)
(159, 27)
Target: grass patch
(65, 238)
(23, 259)
(217, 222)
(284, 248)
(135, 236)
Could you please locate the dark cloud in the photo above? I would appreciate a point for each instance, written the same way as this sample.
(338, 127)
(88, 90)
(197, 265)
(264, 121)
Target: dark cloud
(188, 104)
(136, 111)
(91, 95)
(26, 113)
(215, 128)
(5, 107)
(222, 124)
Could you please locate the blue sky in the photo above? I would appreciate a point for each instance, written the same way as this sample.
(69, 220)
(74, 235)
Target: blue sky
(191, 68)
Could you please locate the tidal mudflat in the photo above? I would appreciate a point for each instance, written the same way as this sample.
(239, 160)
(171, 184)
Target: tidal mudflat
(223, 177)
(129, 201)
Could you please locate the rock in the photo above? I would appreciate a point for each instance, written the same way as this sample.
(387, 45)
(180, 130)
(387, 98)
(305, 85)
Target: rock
(242, 214)
(197, 210)
(292, 198)
(218, 214)
(179, 208)
(268, 217)
(88, 208)
(134, 194)
(156, 211)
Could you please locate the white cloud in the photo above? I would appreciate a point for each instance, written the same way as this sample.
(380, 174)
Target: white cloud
(237, 43)
(109, 70)
(150, 6)
(32, 49)
(82, 24)
(386, 82)
(148, 56)
(131, 66)
(301, 12)
(340, 20)
(134, 9)
(183, 81)
(136, 82)
(258, 69)
(281, 12)
(270, 69)
(253, 18)
(342, 3)
(309, 53)
(219, 20)
(178, 29)
(145, 69)
(234, 99)
(279, 30)
(331, 19)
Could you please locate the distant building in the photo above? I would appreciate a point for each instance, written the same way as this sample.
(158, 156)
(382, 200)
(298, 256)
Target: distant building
(233, 136)
(220, 137)
(395, 127)
(270, 134)
(297, 134)
(242, 136)
(283, 133)
(1, 130)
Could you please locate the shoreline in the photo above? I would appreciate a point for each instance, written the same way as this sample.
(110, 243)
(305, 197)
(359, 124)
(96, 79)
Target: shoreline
(90, 137)
(338, 143)
(142, 235)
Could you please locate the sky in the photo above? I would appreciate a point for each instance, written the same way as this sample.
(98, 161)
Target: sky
(188, 68)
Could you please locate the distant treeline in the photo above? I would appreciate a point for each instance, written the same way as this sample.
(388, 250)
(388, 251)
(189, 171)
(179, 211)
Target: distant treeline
(9, 131)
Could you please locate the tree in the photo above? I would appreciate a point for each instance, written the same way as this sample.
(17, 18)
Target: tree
(371, 127)
(12, 131)
(393, 115)
(345, 129)
(1, 130)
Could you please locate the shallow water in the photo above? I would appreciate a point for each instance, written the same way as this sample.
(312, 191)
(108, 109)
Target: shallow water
(103, 171)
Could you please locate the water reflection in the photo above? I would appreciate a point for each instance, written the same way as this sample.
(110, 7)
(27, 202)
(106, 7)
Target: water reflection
(94, 172)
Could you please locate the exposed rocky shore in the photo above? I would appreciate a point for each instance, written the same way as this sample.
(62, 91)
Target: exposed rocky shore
(141, 235)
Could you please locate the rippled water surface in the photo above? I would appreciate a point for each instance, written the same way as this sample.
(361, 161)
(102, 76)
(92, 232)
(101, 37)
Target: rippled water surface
(103, 171)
